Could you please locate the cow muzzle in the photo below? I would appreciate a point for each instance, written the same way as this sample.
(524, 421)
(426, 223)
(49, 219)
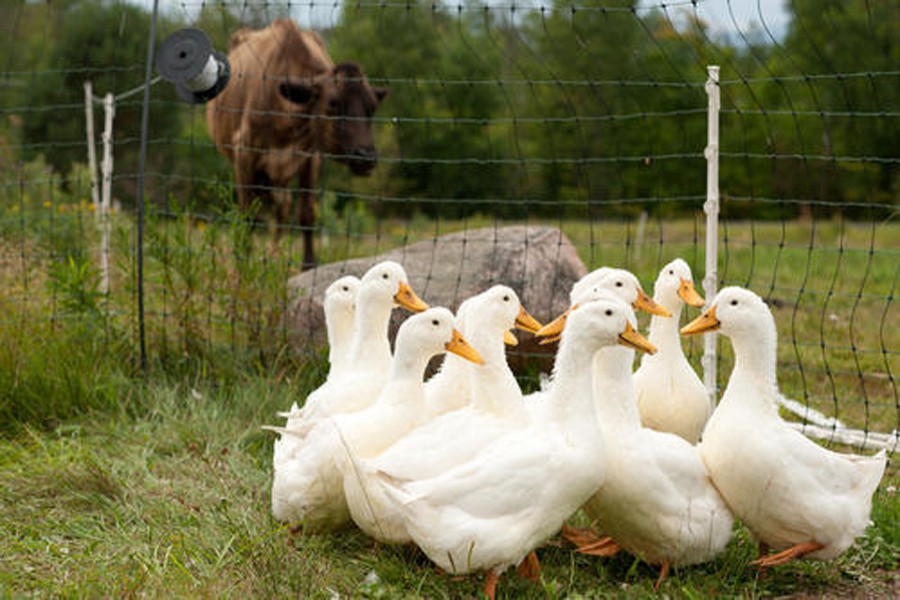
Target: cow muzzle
(362, 160)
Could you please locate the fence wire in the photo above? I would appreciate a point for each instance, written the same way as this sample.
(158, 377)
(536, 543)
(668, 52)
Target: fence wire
(587, 117)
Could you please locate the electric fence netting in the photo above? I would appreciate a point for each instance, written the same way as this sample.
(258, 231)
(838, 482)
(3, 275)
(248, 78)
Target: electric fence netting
(589, 118)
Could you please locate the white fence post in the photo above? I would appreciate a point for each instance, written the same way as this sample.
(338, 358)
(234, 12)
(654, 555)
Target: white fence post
(109, 110)
(91, 146)
(711, 208)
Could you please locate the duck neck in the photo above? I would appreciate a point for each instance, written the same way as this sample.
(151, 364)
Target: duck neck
(370, 339)
(755, 365)
(340, 337)
(613, 389)
(664, 331)
(452, 368)
(571, 402)
(407, 371)
(494, 387)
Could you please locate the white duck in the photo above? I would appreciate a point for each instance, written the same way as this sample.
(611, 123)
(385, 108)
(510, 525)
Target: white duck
(670, 395)
(486, 320)
(339, 306)
(383, 286)
(492, 403)
(401, 408)
(617, 283)
(657, 500)
(492, 511)
(795, 496)
(316, 491)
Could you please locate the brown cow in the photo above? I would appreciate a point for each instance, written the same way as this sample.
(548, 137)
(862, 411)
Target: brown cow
(286, 107)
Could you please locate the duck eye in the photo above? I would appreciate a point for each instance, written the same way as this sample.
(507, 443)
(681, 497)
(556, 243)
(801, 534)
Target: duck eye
(608, 312)
(385, 276)
(435, 322)
(506, 298)
(734, 302)
(671, 272)
(345, 288)
(618, 284)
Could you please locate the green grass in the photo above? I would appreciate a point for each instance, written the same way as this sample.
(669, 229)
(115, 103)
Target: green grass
(113, 483)
(174, 501)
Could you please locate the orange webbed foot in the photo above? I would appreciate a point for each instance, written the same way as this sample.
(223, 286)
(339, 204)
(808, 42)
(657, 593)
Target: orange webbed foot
(605, 546)
(580, 536)
(785, 556)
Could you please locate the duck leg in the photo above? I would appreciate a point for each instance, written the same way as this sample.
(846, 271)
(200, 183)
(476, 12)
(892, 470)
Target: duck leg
(605, 546)
(779, 558)
(530, 568)
(490, 583)
(663, 571)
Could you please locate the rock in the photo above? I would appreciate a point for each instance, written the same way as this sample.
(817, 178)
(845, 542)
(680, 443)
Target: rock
(539, 263)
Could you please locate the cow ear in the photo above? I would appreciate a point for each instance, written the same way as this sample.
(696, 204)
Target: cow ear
(298, 93)
(380, 93)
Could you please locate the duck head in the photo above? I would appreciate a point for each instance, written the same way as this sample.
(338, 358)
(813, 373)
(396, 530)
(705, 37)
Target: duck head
(432, 332)
(605, 281)
(340, 296)
(388, 279)
(675, 285)
(620, 283)
(736, 312)
(500, 307)
(600, 322)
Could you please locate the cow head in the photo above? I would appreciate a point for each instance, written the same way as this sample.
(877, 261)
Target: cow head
(346, 101)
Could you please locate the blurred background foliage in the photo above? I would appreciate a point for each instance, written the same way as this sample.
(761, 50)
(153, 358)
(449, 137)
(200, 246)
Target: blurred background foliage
(558, 110)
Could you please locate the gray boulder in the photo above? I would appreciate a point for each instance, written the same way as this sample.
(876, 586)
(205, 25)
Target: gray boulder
(539, 263)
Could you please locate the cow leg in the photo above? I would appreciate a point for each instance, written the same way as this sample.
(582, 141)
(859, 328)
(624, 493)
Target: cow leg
(306, 208)
(244, 164)
(250, 176)
(282, 205)
(243, 181)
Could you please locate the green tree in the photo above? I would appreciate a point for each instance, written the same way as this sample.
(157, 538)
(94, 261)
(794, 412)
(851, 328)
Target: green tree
(857, 42)
(105, 43)
(583, 55)
(438, 110)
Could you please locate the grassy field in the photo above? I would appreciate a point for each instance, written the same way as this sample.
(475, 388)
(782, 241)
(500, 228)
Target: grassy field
(173, 501)
(113, 483)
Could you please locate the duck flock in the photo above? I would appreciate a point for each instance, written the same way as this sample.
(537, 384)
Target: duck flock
(478, 475)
